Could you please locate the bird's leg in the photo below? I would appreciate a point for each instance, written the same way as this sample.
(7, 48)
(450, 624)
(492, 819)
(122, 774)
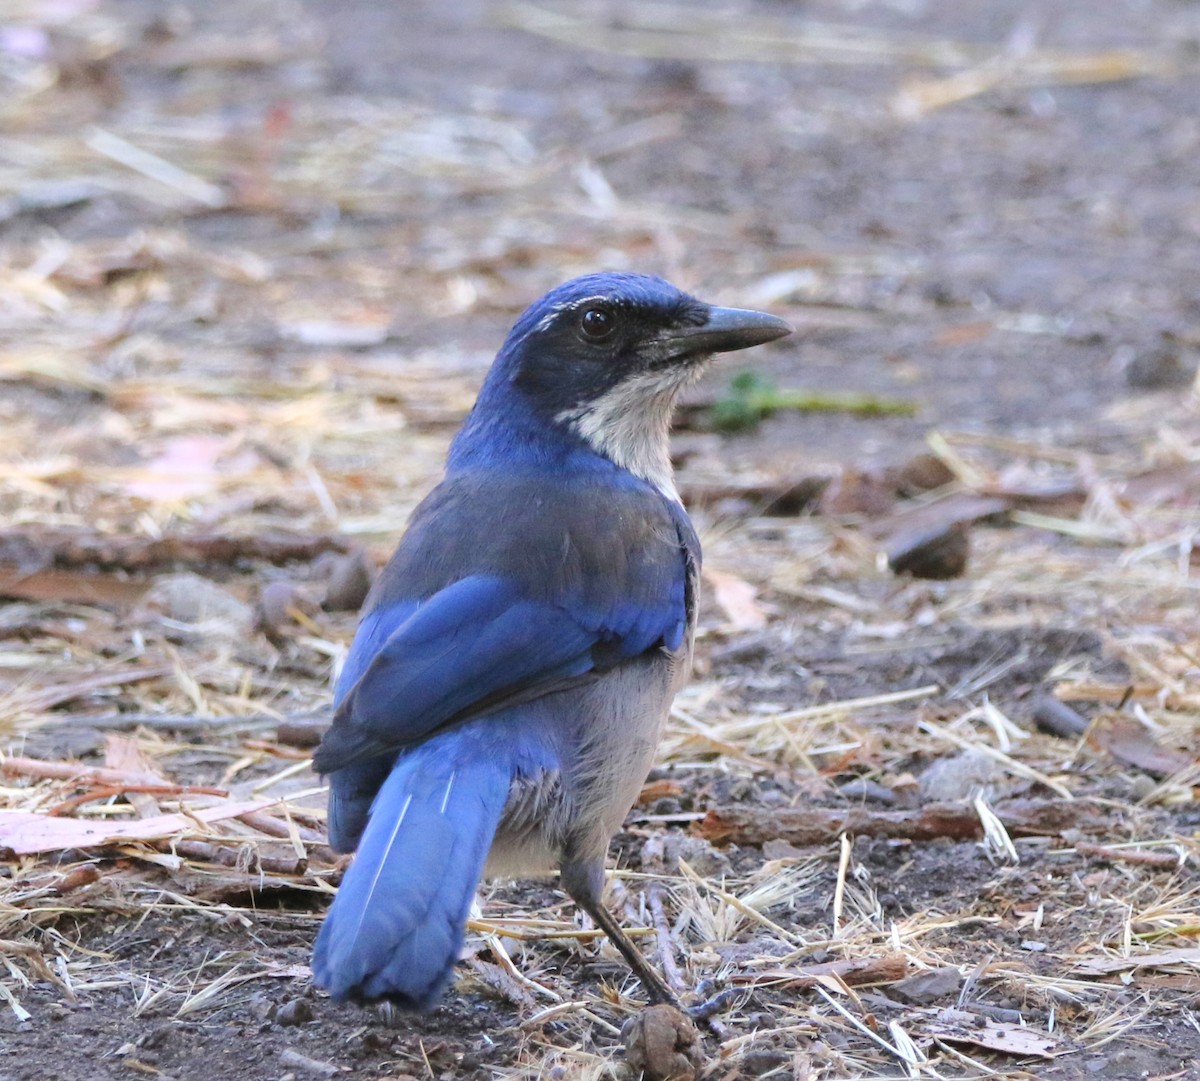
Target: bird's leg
(584, 881)
(654, 985)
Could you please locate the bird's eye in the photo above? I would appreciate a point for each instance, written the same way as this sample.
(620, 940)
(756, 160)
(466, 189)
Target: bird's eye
(597, 324)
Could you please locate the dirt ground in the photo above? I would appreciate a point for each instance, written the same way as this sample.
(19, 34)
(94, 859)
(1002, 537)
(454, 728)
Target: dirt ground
(255, 259)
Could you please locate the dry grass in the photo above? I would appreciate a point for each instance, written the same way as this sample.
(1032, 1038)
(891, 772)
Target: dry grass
(309, 416)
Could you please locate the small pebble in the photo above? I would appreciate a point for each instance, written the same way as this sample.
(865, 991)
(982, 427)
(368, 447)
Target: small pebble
(863, 789)
(937, 554)
(758, 1061)
(349, 583)
(959, 776)
(296, 1011)
(1158, 369)
(926, 987)
(192, 606)
(274, 604)
(662, 1044)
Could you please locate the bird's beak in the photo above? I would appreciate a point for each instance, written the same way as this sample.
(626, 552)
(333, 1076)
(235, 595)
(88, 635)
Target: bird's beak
(727, 330)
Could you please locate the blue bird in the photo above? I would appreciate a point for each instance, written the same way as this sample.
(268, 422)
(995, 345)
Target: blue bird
(501, 703)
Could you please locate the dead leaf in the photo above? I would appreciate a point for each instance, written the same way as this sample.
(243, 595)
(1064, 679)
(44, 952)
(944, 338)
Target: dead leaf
(1108, 966)
(1129, 742)
(738, 599)
(73, 587)
(954, 1026)
(24, 833)
(185, 468)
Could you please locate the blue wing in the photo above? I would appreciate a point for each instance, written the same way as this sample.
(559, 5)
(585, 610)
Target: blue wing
(476, 646)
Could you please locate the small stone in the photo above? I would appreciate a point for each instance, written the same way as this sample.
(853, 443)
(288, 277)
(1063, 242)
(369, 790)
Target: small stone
(697, 852)
(924, 988)
(861, 789)
(1140, 785)
(1033, 946)
(260, 1006)
(760, 1060)
(937, 554)
(349, 583)
(192, 606)
(273, 612)
(662, 1044)
(958, 777)
(304, 1064)
(158, 1036)
(296, 1011)
(922, 473)
(1158, 369)
(778, 849)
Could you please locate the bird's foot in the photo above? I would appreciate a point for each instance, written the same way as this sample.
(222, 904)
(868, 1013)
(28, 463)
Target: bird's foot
(700, 1013)
(389, 1013)
(704, 1012)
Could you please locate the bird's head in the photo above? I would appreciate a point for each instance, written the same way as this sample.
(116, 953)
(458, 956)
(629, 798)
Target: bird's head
(604, 357)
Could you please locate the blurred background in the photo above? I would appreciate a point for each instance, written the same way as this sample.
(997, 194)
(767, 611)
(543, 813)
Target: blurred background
(984, 215)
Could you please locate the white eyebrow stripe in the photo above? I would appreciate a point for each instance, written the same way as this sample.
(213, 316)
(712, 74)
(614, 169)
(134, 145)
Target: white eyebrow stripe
(566, 305)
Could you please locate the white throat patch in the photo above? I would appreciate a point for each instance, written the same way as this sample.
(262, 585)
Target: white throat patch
(630, 425)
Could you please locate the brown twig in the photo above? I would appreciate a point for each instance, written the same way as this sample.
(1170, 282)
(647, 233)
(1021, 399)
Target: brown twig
(204, 852)
(75, 771)
(818, 825)
(855, 973)
(108, 791)
(1137, 856)
(662, 931)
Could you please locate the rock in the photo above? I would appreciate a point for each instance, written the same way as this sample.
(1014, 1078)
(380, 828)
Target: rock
(192, 606)
(921, 473)
(662, 1044)
(1157, 369)
(958, 777)
(778, 849)
(273, 611)
(296, 1011)
(925, 988)
(858, 492)
(937, 553)
(700, 856)
(757, 1061)
(350, 578)
(862, 790)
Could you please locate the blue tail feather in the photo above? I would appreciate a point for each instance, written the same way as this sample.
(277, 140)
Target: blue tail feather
(396, 926)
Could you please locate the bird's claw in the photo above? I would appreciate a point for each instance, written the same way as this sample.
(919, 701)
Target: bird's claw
(710, 1007)
(704, 1013)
